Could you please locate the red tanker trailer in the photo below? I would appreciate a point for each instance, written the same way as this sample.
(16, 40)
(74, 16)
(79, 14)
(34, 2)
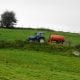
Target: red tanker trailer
(56, 38)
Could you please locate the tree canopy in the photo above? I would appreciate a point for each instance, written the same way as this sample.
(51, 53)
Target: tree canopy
(8, 19)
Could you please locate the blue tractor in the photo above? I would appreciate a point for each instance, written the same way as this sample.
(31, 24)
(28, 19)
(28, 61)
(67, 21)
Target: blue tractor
(38, 37)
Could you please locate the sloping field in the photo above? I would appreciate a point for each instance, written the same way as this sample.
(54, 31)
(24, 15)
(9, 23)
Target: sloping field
(22, 34)
(32, 64)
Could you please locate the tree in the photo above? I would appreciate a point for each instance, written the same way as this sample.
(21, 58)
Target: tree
(8, 19)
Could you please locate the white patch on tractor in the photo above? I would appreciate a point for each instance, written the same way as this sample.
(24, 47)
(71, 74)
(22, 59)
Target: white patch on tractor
(41, 40)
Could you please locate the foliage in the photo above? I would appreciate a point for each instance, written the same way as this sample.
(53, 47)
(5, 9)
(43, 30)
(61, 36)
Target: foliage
(77, 47)
(8, 19)
(44, 47)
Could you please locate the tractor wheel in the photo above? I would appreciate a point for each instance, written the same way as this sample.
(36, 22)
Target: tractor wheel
(30, 40)
(41, 40)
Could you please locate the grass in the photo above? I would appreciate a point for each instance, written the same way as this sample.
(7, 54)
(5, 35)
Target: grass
(33, 64)
(22, 34)
(16, 64)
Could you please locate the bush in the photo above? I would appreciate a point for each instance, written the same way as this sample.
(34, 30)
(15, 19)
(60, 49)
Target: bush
(11, 44)
(45, 47)
(5, 44)
(77, 47)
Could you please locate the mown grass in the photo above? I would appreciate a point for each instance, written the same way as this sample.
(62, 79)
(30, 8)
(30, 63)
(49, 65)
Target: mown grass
(16, 64)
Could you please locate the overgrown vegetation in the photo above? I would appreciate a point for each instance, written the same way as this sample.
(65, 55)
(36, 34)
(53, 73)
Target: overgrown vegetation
(78, 47)
(44, 47)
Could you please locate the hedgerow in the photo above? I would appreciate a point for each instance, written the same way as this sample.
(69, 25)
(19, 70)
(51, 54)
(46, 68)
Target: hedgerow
(19, 44)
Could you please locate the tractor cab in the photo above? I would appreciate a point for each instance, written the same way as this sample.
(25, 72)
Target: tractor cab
(40, 34)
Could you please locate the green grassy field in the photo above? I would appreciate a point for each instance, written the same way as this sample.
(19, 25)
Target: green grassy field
(22, 34)
(32, 65)
(24, 64)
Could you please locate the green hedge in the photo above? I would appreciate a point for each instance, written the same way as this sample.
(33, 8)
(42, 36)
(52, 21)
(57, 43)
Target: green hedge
(77, 47)
(33, 46)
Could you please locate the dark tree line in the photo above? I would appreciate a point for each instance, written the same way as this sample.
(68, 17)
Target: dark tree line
(8, 19)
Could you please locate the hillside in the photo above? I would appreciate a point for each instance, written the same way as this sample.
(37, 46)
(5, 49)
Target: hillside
(22, 34)
(25, 64)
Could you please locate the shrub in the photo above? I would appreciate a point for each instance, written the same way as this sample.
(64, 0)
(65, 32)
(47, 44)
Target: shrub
(45, 47)
(77, 47)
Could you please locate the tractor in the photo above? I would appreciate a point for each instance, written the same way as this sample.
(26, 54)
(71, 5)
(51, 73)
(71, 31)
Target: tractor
(38, 37)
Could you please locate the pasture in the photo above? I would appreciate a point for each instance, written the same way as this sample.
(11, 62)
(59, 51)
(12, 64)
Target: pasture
(18, 64)
(32, 64)
(22, 34)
